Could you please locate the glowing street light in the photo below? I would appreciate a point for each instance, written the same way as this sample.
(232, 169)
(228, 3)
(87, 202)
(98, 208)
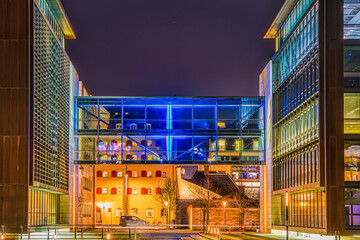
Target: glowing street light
(167, 214)
(224, 203)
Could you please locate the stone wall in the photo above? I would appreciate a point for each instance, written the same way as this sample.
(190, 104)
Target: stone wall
(252, 216)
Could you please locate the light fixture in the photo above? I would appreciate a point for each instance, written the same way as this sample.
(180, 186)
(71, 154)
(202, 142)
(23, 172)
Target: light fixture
(224, 203)
(166, 204)
(108, 236)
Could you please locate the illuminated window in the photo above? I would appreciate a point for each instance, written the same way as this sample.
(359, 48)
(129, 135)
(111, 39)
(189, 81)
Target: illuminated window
(113, 174)
(134, 174)
(129, 190)
(255, 145)
(149, 212)
(352, 113)
(113, 191)
(134, 212)
(119, 174)
(221, 143)
(158, 190)
(99, 173)
(134, 190)
(99, 190)
(119, 212)
(149, 174)
(105, 174)
(237, 145)
(235, 175)
(164, 175)
(119, 190)
(221, 125)
(148, 191)
(143, 190)
(129, 173)
(105, 190)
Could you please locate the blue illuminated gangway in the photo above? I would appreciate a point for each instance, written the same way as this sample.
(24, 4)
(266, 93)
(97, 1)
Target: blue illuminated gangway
(117, 130)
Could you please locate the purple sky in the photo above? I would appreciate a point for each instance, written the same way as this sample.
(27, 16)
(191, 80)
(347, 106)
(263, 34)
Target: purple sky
(168, 47)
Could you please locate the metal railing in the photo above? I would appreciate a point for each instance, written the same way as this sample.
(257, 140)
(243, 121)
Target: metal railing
(110, 231)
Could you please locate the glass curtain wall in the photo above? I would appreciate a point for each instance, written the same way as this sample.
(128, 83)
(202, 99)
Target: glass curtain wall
(351, 19)
(169, 130)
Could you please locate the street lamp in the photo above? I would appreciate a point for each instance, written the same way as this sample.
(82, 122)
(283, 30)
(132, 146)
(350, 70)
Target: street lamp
(167, 214)
(224, 203)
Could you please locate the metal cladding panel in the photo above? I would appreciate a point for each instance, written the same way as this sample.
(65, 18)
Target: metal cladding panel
(14, 120)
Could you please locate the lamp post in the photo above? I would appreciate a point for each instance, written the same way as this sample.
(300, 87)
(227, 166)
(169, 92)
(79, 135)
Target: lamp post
(224, 203)
(167, 214)
(287, 215)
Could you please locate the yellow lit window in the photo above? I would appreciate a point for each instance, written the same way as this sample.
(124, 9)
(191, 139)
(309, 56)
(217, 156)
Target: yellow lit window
(221, 144)
(237, 145)
(221, 125)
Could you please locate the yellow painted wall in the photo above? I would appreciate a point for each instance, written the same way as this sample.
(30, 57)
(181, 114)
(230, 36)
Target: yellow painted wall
(139, 201)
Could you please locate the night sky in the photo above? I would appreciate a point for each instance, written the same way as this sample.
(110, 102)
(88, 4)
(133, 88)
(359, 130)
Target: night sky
(170, 47)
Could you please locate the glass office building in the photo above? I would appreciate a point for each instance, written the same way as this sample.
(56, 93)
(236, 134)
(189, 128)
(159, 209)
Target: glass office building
(312, 92)
(175, 130)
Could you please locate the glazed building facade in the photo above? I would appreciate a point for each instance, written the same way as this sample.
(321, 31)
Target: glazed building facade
(169, 130)
(311, 87)
(126, 147)
(37, 89)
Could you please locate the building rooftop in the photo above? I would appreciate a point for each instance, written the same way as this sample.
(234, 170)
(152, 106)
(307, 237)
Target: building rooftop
(280, 18)
(61, 17)
(221, 183)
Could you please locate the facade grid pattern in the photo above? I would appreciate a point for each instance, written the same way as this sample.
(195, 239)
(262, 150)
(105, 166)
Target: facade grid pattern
(51, 107)
(169, 130)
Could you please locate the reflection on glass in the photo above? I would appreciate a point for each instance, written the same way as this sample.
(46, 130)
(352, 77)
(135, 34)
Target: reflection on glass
(352, 113)
(352, 208)
(351, 19)
(119, 130)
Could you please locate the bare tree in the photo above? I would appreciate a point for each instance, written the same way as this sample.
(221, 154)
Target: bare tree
(243, 199)
(205, 195)
(169, 193)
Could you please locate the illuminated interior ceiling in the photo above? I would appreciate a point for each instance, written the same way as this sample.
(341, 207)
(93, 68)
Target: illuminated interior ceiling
(351, 19)
(62, 18)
